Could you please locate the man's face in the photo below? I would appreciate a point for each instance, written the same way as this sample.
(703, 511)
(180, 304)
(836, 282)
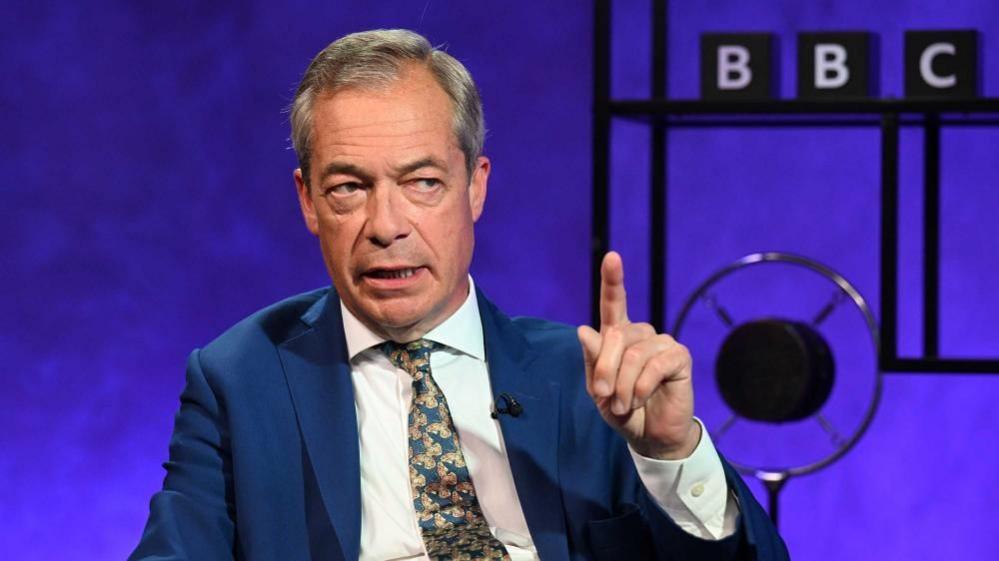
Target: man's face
(391, 203)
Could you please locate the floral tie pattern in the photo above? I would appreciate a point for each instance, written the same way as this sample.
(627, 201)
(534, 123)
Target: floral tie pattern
(451, 520)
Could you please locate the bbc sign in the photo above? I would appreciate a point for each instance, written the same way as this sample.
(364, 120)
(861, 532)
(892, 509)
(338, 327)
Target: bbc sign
(838, 65)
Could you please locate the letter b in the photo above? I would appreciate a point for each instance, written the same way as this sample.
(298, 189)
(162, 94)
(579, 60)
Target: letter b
(733, 67)
(834, 65)
(831, 71)
(736, 66)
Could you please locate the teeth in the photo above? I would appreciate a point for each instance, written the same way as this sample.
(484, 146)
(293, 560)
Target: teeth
(399, 274)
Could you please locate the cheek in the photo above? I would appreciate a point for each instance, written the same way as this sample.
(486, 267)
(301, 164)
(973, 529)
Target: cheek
(335, 238)
(458, 237)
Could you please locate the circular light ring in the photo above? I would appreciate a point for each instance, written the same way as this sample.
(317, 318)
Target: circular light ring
(846, 288)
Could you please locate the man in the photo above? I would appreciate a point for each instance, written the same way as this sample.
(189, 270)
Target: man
(355, 422)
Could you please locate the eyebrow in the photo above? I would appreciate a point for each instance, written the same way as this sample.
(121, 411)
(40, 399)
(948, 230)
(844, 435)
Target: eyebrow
(335, 168)
(428, 162)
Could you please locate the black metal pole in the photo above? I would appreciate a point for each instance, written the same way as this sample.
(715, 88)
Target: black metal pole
(774, 483)
(658, 221)
(962, 110)
(888, 354)
(944, 366)
(772, 502)
(600, 212)
(931, 236)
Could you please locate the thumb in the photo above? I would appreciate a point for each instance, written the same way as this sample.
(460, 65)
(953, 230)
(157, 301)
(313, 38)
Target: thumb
(591, 341)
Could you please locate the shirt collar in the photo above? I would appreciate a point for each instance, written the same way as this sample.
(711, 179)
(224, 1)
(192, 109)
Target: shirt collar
(462, 331)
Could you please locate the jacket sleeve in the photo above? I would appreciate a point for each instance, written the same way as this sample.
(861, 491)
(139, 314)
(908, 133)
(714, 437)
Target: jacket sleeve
(192, 517)
(755, 538)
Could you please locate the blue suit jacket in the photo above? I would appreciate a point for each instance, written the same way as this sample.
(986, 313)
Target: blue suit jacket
(264, 455)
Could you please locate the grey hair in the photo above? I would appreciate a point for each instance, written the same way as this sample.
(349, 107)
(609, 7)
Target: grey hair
(374, 59)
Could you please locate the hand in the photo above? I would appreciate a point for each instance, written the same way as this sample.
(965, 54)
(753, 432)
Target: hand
(639, 380)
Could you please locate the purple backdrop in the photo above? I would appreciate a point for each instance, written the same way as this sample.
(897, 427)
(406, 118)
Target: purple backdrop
(148, 205)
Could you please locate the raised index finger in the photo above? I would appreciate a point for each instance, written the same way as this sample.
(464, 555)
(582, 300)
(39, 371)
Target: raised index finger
(613, 304)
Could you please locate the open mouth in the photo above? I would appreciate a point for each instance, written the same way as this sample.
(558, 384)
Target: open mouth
(393, 273)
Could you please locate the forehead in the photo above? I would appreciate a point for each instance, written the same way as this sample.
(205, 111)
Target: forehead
(410, 113)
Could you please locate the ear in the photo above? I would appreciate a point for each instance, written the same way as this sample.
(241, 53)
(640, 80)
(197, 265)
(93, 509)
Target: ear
(478, 186)
(305, 202)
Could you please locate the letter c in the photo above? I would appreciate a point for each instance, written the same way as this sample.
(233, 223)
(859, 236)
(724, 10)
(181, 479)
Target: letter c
(926, 65)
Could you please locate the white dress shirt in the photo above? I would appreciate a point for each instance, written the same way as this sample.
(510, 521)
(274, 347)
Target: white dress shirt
(692, 491)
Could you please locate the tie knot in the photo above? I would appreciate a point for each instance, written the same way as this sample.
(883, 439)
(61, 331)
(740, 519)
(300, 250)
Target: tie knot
(411, 357)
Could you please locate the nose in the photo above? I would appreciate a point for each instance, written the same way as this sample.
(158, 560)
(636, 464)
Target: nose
(387, 221)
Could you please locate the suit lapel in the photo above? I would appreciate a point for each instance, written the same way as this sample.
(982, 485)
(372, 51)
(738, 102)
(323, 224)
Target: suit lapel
(532, 438)
(318, 373)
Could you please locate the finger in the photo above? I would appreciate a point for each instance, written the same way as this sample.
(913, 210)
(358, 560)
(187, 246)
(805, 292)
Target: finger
(590, 340)
(615, 341)
(613, 304)
(671, 365)
(633, 361)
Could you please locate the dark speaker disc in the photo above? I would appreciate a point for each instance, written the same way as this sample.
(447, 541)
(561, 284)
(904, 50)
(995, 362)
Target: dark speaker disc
(775, 370)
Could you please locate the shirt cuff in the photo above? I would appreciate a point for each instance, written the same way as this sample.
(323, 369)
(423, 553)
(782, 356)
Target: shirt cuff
(693, 491)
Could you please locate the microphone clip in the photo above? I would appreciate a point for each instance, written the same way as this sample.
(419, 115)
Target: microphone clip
(510, 407)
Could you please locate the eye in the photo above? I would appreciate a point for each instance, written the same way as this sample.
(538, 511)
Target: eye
(343, 189)
(427, 183)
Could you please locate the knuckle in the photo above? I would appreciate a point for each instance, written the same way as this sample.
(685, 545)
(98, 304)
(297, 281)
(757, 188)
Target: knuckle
(631, 356)
(646, 329)
(638, 331)
(602, 372)
(656, 363)
(643, 389)
(680, 354)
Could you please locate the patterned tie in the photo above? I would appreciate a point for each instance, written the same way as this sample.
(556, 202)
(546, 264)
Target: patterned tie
(452, 523)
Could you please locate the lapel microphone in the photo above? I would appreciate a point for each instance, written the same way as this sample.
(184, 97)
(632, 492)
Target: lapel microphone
(511, 407)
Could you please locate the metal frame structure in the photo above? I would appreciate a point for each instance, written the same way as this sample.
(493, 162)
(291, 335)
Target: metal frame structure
(887, 114)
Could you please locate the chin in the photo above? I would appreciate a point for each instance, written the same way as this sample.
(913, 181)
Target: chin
(396, 314)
